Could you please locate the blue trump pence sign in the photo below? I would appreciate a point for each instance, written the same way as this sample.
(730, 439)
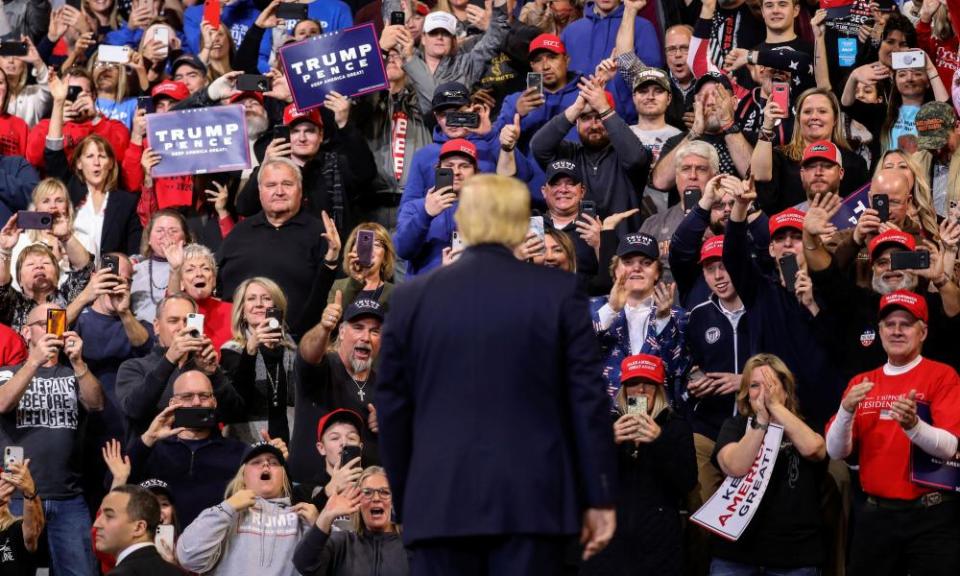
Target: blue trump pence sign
(199, 141)
(347, 61)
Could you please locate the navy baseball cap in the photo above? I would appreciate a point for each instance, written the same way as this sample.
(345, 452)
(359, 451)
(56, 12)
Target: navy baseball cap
(717, 77)
(362, 308)
(191, 61)
(450, 95)
(639, 243)
(259, 448)
(563, 168)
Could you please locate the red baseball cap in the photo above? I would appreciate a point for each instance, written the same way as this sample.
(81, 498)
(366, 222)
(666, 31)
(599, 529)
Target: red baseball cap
(339, 415)
(905, 300)
(712, 248)
(258, 96)
(642, 366)
(291, 115)
(897, 237)
(459, 146)
(821, 150)
(422, 9)
(548, 42)
(170, 89)
(789, 218)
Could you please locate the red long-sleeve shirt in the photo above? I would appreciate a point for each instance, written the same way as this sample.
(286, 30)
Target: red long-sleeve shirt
(73, 132)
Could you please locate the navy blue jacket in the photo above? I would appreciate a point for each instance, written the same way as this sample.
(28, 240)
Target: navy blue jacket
(197, 471)
(715, 346)
(492, 411)
(685, 253)
(786, 329)
(17, 181)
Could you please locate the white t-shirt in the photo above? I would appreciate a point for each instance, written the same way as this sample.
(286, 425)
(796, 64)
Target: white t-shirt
(655, 139)
(88, 225)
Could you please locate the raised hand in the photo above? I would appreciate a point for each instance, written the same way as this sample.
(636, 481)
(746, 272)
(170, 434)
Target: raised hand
(822, 209)
(855, 395)
(331, 314)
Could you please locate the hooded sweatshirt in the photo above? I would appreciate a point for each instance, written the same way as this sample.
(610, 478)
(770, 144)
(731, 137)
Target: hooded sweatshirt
(260, 540)
(592, 38)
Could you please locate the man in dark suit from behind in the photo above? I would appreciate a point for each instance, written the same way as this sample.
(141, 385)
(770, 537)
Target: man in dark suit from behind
(128, 520)
(494, 423)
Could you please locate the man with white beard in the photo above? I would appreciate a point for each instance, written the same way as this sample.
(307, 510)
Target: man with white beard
(257, 125)
(340, 378)
(852, 310)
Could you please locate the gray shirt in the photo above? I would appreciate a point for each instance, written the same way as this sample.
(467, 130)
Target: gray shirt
(150, 278)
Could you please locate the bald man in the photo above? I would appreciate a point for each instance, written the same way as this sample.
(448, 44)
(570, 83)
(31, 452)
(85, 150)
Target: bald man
(196, 463)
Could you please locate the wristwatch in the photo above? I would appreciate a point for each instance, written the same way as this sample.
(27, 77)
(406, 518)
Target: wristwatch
(758, 426)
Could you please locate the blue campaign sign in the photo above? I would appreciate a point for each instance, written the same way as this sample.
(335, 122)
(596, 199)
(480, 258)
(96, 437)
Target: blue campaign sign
(930, 471)
(347, 61)
(852, 207)
(199, 141)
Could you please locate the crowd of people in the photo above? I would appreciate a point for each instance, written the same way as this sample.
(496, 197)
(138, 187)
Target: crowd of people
(761, 199)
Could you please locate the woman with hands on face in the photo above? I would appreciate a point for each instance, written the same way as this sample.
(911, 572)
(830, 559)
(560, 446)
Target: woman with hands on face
(785, 532)
(255, 529)
(374, 547)
(657, 468)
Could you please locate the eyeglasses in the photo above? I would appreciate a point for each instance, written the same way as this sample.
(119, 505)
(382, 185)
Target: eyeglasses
(367, 493)
(677, 49)
(188, 396)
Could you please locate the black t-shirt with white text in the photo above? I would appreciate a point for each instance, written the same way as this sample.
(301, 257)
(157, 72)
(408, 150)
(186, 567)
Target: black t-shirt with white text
(15, 559)
(47, 424)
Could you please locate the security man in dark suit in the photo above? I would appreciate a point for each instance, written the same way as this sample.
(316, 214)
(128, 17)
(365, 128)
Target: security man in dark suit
(128, 520)
(494, 423)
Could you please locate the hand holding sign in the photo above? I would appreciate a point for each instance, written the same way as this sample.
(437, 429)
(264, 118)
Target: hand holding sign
(347, 62)
(340, 106)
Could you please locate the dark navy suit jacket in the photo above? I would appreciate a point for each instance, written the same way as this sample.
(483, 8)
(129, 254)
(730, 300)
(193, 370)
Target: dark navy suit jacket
(491, 404)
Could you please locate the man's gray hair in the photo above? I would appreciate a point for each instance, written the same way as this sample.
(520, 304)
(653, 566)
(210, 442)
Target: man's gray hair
(285, 162)
(701, 149)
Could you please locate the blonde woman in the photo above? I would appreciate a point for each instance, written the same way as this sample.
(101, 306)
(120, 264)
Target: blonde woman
(785, 533)
(20, 534)
(374, 280)
(114, 89)
(29, 102)
(72, 252)
(921, 216)
(261, 360)
(657, 468)
(255, 529)
(374, 547)
(777, 169)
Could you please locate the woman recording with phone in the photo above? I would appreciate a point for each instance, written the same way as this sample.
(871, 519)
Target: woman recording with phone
(785, 534)
(369, 264)
(261, 360)
(658, 467)
(193, 270)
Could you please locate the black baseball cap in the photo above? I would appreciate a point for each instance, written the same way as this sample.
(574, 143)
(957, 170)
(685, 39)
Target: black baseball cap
(259, 448)
(450, 95)
(563, 168)
(639, 243)
(712, 77)
(191, 61)
(362, 308)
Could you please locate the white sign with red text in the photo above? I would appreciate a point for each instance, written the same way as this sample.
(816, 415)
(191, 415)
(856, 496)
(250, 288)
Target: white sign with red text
(728, 512)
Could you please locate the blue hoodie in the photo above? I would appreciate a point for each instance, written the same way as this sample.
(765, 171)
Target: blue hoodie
(422, 174)
(238, 18)
(594, 38)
